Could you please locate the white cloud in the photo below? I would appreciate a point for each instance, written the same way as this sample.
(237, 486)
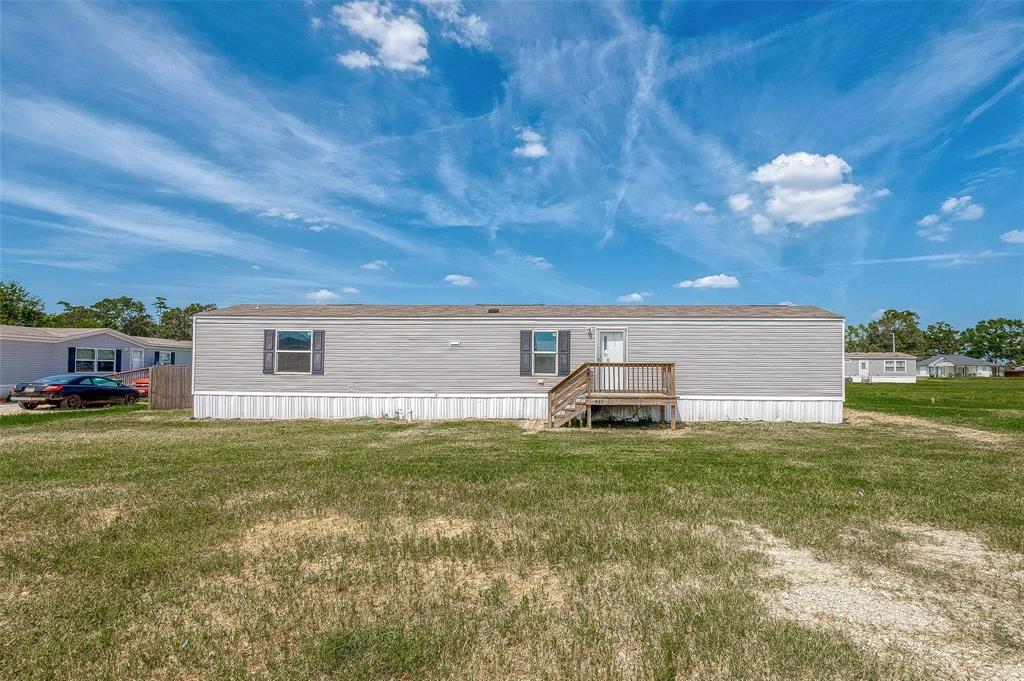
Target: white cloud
(877, 314)
(636, 297)
(962, 208)
(315, 23)
(882, 193)
(808, 189)
(762, 224)
(350, 290)
(953, 209)
(1014, 236)
(739, 202)
(532, 145)
(356, 59)
(256, 267)
(788, 303)
(538, 261)
(459, 280)
(468, 30)
(702, 207)
(317, 228)
(711, 281)
(400, 41)
(375, 265)
(320, 296)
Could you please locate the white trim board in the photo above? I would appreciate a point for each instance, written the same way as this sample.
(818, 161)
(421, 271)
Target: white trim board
(544, 394)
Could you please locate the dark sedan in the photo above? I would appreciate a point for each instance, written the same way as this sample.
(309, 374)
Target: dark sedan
(72, 391)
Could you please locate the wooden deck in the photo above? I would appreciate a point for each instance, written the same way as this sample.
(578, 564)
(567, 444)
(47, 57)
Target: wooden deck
(612, 383)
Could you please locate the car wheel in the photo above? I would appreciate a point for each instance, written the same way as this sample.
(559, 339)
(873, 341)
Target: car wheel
(130, 399)
(72, 402)
(28, 405)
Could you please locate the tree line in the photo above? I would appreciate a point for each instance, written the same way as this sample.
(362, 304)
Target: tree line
(18, 306)
(999, 340)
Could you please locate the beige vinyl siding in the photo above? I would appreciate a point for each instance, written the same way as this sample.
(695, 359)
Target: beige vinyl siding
(770, 358)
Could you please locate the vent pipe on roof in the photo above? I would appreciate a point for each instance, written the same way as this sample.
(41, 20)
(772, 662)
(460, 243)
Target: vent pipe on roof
(492, 310)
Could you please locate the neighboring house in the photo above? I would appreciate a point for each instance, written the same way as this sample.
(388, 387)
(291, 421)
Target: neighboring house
(881, 367)
(771, 362)
(940, 366)
(28, 353)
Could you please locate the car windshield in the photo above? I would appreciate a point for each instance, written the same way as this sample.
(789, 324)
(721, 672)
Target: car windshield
(59, 379)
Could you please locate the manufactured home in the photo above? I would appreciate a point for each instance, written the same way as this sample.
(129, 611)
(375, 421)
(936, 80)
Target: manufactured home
(881, 367)
(553, 362)
(943, 366)
(28, 353)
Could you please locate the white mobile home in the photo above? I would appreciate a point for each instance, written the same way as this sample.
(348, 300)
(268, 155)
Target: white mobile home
(943, 366)
(771, 363)
(881, 367)
(28, 353)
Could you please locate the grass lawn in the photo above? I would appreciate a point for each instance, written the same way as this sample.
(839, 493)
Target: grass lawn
(994, 403)
(138, 544)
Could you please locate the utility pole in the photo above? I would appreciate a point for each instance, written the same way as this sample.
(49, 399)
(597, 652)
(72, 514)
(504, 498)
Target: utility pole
(894, 341)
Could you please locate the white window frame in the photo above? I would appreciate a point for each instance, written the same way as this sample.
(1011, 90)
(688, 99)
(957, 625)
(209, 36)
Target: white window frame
(293, 352)
(534, 352)
(95, 361)
(160, 358)
(893, 366)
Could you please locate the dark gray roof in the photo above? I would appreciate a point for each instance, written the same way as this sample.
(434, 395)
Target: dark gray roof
(959, 361)
(879, 355)
(514, 311)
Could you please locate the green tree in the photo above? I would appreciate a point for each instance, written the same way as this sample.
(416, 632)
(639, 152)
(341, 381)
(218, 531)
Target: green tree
(878, 334)
(857, 338)
(995, 340)
(126, 315)
(176, 322)
(941, 338)
(19, 307)
(74, 317)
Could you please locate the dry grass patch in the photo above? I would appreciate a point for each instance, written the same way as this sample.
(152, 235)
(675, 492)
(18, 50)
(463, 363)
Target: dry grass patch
(920, 427)
(885, 608)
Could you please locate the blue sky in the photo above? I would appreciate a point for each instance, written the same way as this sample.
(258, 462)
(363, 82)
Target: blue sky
(855, 157)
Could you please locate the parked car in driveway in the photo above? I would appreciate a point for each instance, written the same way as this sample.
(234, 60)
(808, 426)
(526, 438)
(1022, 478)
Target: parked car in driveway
(72, 391)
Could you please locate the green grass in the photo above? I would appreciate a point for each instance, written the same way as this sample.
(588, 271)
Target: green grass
(24, 417)
(992, 403)
(141, 544)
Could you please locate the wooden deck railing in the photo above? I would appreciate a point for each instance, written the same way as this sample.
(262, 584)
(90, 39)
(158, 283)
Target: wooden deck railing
(611, 383)
(128, 377)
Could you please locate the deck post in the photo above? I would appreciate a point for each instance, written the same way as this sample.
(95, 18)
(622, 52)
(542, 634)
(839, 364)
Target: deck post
(672, 408)
(589, 417)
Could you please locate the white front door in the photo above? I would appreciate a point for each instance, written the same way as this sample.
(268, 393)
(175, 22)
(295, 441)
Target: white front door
(611, 346)
(137, 360)
(862, 370)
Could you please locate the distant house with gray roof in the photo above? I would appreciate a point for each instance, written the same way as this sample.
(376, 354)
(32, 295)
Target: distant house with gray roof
(28, 353)
(880, 367)
(941, 366)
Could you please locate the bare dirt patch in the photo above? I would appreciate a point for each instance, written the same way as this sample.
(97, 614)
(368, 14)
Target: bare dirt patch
(887, 609)
(925, 427)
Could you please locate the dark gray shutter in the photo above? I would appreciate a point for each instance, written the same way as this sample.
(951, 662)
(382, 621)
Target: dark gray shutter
(156, 358)
(563, 352)
(269, 340)
(318, 353)
(71, 360)
(526, 353)
(117, 360)
(172, 358)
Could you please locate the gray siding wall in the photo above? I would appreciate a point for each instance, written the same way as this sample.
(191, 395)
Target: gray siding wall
(22, 361)
(876, 367)
(718, 357)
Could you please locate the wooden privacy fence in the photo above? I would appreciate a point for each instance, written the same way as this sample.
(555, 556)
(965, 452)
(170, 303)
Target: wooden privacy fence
(170, 387)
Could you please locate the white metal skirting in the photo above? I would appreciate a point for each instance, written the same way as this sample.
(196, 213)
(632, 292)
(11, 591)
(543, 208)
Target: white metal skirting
(523, 406)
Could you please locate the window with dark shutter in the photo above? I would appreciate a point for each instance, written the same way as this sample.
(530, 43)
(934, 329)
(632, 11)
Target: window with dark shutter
(318, 353)
(526, 353)
(269, 344)
(563, 352)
